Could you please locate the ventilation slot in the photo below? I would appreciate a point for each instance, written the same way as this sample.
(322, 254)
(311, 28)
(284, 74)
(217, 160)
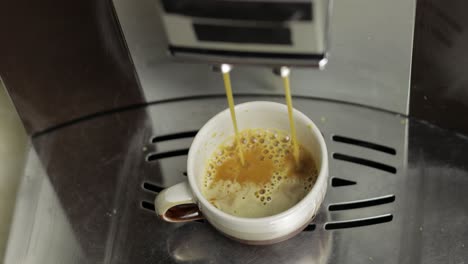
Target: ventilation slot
(152, 187)
(362, 203)
(168, 154)
(364, 144)
(309, 228)
(359, 222)
(339, 182)
(147, 205)
(365, 162)
(174, 136)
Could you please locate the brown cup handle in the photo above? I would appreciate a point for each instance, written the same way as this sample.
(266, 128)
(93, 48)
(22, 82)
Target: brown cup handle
(177, 204)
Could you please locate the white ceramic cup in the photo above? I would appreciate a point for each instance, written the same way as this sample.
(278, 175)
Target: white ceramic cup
(185, 202)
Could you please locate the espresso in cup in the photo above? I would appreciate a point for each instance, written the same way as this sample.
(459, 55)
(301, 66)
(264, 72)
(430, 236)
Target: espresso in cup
(268, 179)
(246, 204)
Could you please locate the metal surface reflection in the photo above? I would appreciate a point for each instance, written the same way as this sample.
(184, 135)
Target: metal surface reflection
(105, 183)
(200, 243)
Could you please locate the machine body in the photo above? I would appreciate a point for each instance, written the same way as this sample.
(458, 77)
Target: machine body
(272, 32)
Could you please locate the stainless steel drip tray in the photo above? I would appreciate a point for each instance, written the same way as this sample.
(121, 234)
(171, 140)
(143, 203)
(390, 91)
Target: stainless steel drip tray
(88, 191)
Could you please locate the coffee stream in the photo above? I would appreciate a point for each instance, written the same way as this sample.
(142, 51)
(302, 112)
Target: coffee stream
(287, 90)
(258, 172)
(227, 85)
(284, 72)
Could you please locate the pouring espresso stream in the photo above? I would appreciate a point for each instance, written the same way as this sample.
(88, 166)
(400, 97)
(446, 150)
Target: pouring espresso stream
(258, 172)
(284, 72)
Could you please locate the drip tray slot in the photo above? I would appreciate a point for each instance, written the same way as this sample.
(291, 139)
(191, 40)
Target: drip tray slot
(335, 182)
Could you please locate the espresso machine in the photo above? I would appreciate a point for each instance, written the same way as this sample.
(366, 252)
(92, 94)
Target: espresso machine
(135, 80)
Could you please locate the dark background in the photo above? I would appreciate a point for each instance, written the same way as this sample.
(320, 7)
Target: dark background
(61, 60)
